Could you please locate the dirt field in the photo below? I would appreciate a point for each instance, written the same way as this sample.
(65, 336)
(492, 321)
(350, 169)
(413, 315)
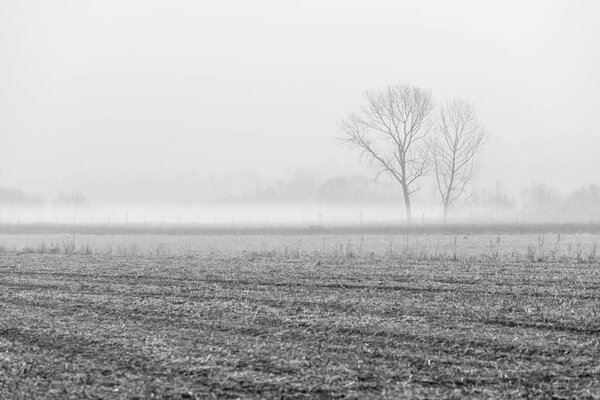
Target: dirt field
(301, 322)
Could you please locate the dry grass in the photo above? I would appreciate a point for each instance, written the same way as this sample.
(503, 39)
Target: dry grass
(508, 247)
(299, 324)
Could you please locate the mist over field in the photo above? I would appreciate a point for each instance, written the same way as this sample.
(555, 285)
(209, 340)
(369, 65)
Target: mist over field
(341, 200)
(234, 109)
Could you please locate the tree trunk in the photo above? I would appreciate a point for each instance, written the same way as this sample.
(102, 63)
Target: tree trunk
(406, 194)
(445, 215)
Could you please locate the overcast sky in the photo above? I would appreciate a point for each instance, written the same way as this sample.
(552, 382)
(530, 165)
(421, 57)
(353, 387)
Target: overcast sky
(145, 86)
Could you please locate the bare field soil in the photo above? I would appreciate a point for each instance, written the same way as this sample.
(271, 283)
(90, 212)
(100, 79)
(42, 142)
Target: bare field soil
(303, 325)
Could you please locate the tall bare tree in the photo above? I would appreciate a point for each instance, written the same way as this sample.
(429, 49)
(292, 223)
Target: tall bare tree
(390, 131)
(459, 138)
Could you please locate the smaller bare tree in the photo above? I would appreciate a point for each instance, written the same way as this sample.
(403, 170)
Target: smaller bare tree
(459, 139)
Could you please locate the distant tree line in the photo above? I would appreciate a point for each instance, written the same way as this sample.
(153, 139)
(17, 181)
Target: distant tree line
(14, 196)
(352, 189)
(540, 201)
(10, 196)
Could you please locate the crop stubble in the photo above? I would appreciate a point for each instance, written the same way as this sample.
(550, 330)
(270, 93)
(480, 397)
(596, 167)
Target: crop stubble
(254, 325)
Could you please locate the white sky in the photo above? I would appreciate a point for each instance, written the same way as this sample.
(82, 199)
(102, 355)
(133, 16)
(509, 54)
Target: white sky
(147, 86)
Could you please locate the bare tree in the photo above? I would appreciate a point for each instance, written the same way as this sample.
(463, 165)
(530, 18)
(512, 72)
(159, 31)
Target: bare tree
(459, 139)
(390, 131)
